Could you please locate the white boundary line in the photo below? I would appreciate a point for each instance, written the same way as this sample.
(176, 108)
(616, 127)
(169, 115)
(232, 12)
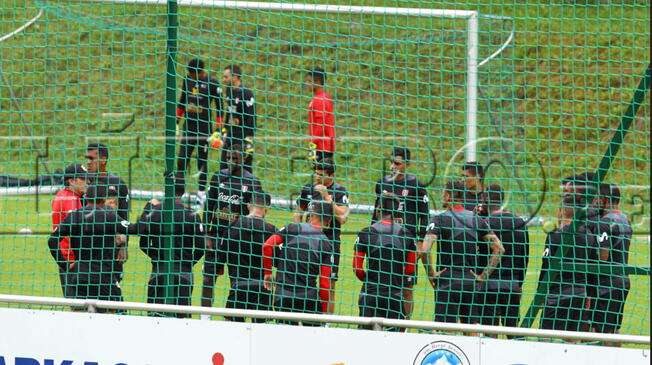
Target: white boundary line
(375, 322)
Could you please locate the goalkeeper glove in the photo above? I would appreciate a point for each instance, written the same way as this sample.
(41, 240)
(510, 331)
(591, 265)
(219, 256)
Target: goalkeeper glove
(178, 130)
(312, 155)
(224, 132)
(248, 146)
(215, 140)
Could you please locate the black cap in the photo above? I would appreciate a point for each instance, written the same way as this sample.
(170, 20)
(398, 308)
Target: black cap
(75, 170)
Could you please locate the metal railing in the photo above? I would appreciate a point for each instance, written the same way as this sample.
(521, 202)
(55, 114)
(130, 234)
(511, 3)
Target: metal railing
(374, 322)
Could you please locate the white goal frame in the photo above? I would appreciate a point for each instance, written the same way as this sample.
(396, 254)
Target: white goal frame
(472, 20)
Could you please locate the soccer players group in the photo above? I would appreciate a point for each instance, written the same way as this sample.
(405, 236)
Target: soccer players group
(482, 250)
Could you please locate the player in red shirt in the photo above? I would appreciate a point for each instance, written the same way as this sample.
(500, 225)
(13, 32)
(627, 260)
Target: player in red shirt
(66, 201)
(321, 121)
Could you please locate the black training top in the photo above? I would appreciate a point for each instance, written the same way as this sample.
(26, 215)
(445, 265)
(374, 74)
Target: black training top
(340, 197)
(413, 210)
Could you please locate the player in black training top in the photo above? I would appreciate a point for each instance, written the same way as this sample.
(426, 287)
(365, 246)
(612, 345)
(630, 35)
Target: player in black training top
(303, 257)
(565, 304)
(241, 249)
(413, 212)
(198, 91)
(240, 125)
(325, 188)
(391, 257)
(614, 241)
(97, 156)
(229, 194)
(458, 232)
(473, 174)
(501, 295)
(188, 248)
(92, 231)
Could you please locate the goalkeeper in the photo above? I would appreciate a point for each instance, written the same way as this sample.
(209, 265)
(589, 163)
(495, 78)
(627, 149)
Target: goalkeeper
(197, 93)
(240, 123)
(321, 122)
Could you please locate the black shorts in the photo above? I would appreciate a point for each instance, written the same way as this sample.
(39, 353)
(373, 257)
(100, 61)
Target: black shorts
(285, 302)
(80, 289)
(455, 298)
(65, 278)
(249, 295)
(210, 256)
(385, 306)
(181, 292)
(210, 263)
(335, 271)
(608, 309)
(564, 312)
(499, 300)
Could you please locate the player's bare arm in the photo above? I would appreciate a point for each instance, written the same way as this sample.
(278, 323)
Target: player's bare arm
(497, 250)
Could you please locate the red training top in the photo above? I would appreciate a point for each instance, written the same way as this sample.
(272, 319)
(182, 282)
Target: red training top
(321, 121)
(64, 202)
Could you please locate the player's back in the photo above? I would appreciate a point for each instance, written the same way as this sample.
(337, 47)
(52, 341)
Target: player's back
(615, 235)
(387, 252)
(512, 232)
(243, 248)
(458, 236)
(188, 238)
(93, 240)
(581, 248)
(300, 259)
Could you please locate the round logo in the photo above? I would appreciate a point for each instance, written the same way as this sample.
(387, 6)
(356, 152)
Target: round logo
(441, 353)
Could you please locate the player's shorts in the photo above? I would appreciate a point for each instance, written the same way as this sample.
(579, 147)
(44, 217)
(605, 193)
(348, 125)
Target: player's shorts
(335, 272)
(210, 256)
(81, 289)
(412, 280)
(499, 299)
(65, 278)
(564, 312)
(455, 298)
(608, 309)
(306, 303)
(181, 292)
(249, 294)
(377, 305)
(320, 155)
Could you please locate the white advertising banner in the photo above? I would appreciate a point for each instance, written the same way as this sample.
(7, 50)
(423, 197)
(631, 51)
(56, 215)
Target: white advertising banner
(63, 338)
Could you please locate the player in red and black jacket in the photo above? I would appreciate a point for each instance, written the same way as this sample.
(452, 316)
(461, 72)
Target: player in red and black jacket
(391, 257)
(303, 257)
(240, 123)
(92, 231)
(67, 200)
(198, 92)
(241, 249)
(412, 212)
(325, 188)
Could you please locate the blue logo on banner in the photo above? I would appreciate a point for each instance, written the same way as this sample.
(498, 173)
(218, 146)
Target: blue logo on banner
(441, 357)
(441, 353)
(31, 361)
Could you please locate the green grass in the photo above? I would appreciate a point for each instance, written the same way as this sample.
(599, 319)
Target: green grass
(28, 269)
(557, 94)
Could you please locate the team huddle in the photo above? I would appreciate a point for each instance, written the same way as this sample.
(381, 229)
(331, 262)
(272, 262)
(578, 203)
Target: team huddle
(481, 249)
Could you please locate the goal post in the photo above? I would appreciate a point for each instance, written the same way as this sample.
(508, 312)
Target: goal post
(473, 26)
